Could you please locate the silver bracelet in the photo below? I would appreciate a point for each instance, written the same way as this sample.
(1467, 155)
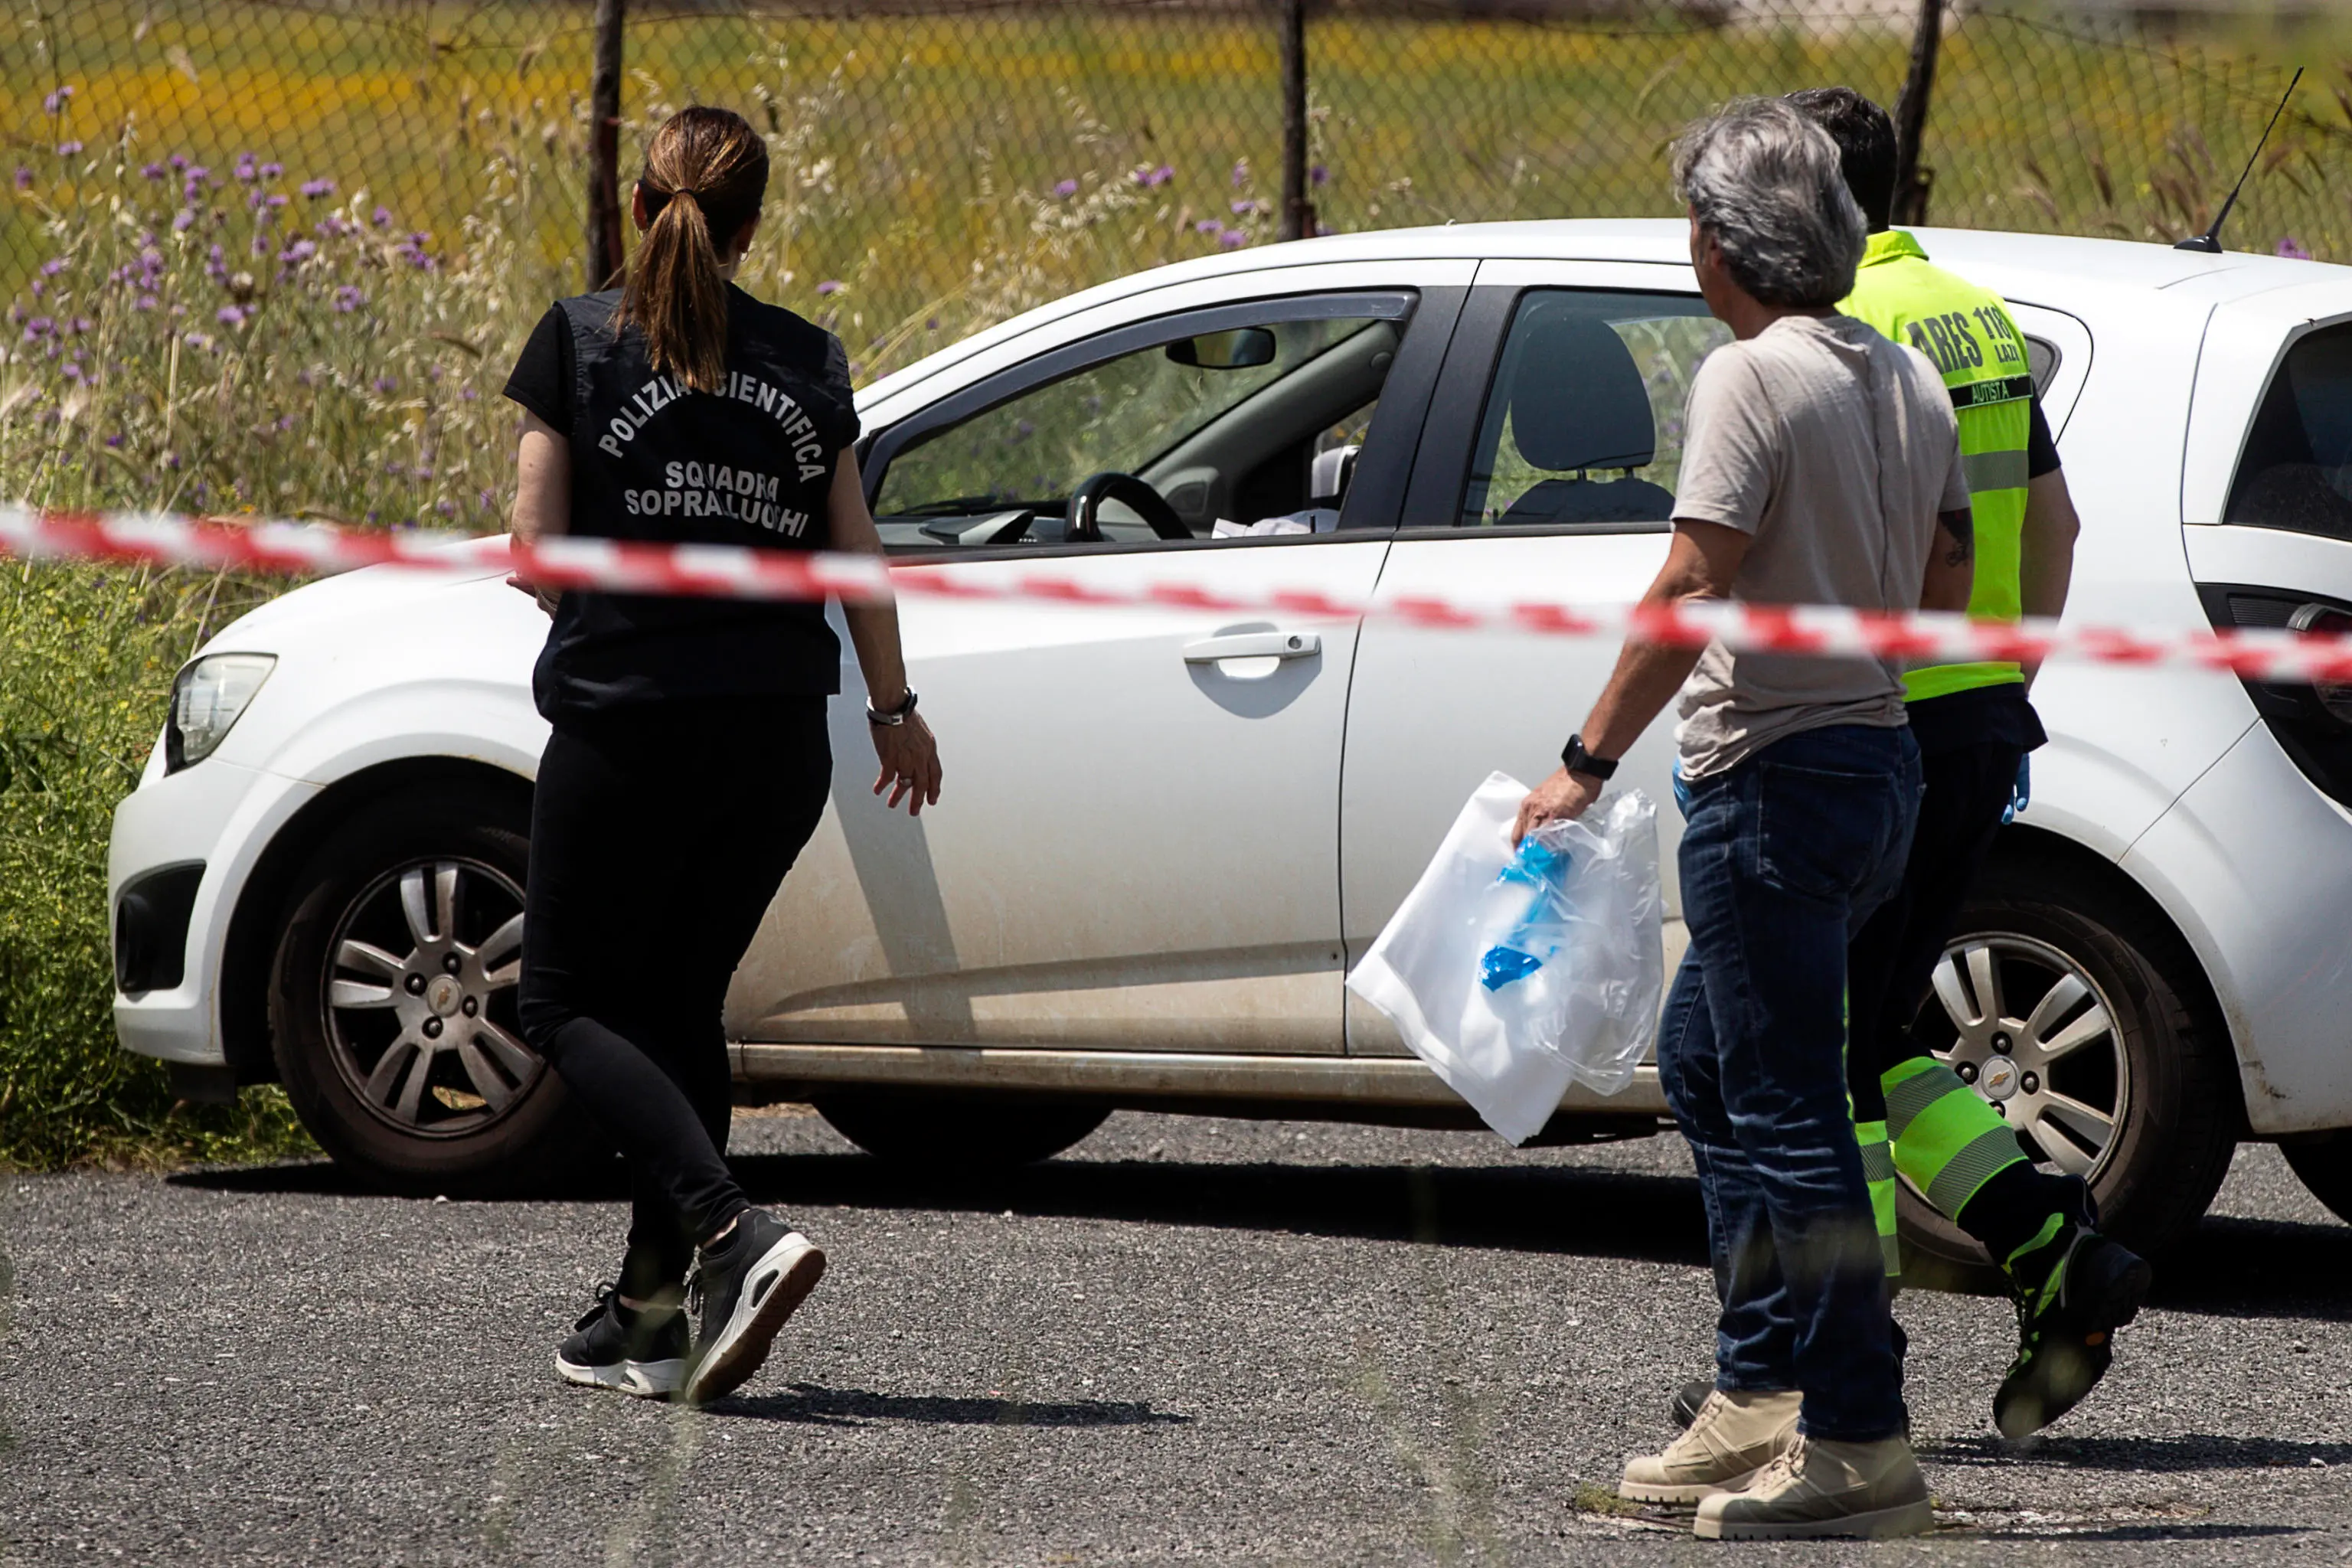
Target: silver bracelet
(896, 716)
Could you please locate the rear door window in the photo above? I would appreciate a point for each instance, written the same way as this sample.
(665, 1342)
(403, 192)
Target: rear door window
(1583, 422)
(2297, 471)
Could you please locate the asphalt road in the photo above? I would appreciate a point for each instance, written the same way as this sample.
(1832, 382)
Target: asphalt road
(1188, 1339)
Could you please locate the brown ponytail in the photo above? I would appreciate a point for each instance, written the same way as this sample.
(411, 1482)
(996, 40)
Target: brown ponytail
(705, 174)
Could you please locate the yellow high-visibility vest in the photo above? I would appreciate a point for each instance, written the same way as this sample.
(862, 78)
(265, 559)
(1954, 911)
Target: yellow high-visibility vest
(1967, 333)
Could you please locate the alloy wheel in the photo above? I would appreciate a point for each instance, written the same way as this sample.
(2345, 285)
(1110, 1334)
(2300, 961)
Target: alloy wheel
(422, 974)
(2032, 1032)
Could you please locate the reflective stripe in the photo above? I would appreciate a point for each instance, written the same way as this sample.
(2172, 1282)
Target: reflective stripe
(1997, 389)
(1992, 1150)
(1911, 1088)
(1877, 1160)
(1995, 470)
(1947, 1142)
(1890, 1249)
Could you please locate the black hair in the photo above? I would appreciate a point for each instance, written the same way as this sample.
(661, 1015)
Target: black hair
(1866, 139)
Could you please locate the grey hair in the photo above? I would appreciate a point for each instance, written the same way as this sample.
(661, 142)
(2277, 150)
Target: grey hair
(1765, 184)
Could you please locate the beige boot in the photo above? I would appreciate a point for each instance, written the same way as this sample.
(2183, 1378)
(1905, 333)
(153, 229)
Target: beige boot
(1733, 1435)
(1819, 1488)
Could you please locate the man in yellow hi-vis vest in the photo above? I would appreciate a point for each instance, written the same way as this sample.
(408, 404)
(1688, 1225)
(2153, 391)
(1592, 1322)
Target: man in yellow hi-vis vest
(2073, 1287)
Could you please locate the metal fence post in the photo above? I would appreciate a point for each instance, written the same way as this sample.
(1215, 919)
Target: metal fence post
(1297, 208)
(604, 244)
(1911, 182)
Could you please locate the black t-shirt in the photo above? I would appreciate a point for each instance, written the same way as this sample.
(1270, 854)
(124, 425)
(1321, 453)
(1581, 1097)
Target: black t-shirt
(2041, 446)
(654, 461)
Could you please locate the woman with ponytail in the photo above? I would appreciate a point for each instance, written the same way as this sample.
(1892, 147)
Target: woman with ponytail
(690, 760)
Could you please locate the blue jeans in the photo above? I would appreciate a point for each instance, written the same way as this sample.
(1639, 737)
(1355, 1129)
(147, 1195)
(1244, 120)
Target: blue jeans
(1782, 858)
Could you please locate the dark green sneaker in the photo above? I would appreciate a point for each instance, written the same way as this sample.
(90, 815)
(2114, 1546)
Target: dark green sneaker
(2073, 1288)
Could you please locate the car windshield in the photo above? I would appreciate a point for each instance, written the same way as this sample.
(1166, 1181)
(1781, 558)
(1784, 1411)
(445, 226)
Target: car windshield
(2297, 473)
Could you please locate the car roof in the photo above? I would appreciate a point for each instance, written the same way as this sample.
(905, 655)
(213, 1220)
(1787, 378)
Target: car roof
(2056, 271)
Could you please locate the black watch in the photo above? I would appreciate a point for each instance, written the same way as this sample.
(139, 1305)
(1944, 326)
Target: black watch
(1577, 759)
(892, 717)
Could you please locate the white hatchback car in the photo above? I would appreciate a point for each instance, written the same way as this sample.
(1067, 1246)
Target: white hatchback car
(1167, 832)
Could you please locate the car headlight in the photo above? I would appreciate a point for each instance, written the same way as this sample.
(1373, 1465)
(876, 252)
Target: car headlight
(208, 699)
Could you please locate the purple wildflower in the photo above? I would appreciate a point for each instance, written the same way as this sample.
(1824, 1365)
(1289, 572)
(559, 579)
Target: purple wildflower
(179, 160)
(184, 220)
(446, 508)
(72, 372)
(2292, 249)
(154, 171)
(1241, 173)
(382, 218)
(80, 325)
(39, 287)
(272, 171)
(53, 266)
(147, 301)
(386, 383)
(1066, 189)
(40, 327)
(1233, 239)
(316, 188)
(1208, 226)
(830, 286)
(466, 394)
(24, 178)
(1243, 208)
(246, 169)
(199, 340)
(230, 315)
(277, 198)
(115, 440)
(299, 251)
(1318, 174)
(348, 299)
(55, 100)
(286, 421)
(1151, 178)
(67, 149)
(424, 470)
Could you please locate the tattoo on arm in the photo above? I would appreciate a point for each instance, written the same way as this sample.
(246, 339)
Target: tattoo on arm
(1962, 525)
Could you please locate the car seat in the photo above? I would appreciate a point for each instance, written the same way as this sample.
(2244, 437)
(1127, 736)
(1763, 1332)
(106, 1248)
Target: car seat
(1577, 405)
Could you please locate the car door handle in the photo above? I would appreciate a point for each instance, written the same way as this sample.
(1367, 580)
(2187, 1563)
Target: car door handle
(1254, 645)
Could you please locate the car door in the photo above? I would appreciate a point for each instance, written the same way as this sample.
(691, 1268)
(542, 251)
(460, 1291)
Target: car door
(1137, 843)
(1549, 466)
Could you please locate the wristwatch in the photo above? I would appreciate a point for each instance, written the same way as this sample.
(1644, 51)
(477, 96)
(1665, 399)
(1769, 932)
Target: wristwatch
(1577, 759)
(895, 716)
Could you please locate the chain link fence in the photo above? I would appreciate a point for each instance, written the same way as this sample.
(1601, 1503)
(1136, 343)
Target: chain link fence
(921, 144)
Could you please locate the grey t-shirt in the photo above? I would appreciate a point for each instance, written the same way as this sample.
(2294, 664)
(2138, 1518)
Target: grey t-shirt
(1835, 449)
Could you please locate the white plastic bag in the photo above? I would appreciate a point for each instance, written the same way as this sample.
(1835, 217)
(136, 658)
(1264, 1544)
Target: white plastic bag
(1514, 974)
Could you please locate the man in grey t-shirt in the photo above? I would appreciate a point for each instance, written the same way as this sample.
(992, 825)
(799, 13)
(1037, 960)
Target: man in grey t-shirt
(1822, 466)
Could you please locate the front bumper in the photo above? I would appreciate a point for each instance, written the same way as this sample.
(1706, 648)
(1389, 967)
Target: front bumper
(222, 815)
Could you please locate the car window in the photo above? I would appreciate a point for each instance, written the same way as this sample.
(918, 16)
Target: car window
(1583, 420)
(2297, 472)
(1242, 429)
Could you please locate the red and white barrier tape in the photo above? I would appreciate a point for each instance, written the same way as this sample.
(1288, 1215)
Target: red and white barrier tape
(724, 572)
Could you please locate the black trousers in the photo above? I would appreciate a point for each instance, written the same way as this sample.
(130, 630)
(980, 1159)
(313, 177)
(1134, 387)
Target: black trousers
(657, 839)
(1891, 965)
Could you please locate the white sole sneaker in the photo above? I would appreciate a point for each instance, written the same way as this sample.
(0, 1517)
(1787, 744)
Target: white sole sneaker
(1906, 1519)
(772, 1288)
(640, 1379)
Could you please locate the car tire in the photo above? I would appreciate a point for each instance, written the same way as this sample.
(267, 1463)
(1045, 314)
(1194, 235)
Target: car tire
(440, 872)
(2178, 1122)
(2323, 1165)
(939, 1133)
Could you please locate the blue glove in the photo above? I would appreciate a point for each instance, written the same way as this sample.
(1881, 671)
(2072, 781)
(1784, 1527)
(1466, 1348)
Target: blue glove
(2020, 794)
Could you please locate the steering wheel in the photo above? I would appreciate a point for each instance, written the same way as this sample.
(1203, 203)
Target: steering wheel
(1129, 492)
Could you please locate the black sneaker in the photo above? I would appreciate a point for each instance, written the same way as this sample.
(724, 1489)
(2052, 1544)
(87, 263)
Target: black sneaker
(643, 1353)
(1688, 1398)
(744, 1290)
(2086, 1288)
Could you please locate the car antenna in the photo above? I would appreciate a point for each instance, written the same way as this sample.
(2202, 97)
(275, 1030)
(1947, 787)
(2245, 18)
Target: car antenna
(2209, 242)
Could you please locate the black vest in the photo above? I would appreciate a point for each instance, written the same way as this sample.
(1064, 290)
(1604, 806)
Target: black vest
(750, 464)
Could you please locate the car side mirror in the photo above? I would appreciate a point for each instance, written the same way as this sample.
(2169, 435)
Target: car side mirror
(1239, 348)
